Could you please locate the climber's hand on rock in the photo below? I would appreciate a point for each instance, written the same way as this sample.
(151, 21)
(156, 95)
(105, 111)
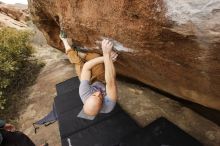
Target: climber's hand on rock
(62, 38)
(114, 55)
(107, 46)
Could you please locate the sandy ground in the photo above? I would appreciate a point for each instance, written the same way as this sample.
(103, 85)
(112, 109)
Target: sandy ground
(143, 104)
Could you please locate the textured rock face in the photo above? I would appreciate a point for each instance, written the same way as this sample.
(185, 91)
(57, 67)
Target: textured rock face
(13, 16)
(16, 12)
(169, 44)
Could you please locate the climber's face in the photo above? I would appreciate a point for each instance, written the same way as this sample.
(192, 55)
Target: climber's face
(93, 104)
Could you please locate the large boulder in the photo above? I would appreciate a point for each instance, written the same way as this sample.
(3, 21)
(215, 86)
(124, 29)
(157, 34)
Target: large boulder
(14, 16)
(168, 44)
(17, 12)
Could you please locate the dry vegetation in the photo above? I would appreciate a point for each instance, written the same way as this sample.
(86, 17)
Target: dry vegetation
(18, 70)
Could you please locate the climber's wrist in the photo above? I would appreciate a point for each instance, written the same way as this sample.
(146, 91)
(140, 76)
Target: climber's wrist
(64, 40)
(106, 53)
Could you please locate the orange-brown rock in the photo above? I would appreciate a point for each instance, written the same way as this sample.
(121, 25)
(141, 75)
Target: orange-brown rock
(16, 12)
(169, 44)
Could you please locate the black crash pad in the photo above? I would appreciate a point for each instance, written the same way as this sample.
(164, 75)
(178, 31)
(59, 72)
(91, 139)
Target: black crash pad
(161, 132)
(104, 129)
(113, 129)
(67, 85)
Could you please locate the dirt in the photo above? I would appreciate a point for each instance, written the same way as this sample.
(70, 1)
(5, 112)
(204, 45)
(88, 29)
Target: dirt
(41, 95)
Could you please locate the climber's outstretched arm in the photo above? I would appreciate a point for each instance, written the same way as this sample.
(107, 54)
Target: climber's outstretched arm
(110, 74)
(87, 67)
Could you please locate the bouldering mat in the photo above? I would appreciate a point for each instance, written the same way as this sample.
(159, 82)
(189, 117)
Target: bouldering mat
(113, 129)
(67, 85)
(161, 132)
(104, 129)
